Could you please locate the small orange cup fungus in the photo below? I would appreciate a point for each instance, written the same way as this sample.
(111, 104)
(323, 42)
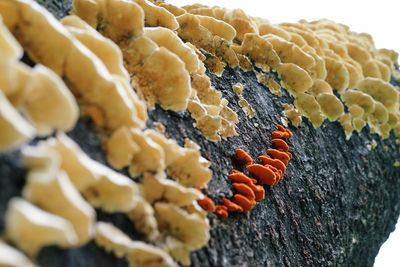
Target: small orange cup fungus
(207, 204)
(262, 173)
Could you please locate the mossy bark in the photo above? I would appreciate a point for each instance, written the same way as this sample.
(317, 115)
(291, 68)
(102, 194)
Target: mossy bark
(336, 205)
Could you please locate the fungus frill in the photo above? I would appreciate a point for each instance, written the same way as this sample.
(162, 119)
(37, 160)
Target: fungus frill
(15, 129)
(44, 182)
(11, 257)
(31, 228)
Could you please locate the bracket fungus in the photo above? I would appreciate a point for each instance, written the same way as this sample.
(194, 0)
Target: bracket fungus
(310, 108)
(137, 253)
(31, 228)
(294, 78)
(381, 91)
(50, 104)
(11, 257)
(157, 16)
(66, 201)
(172, 89)
(190, 229)
(218, 27)
(167, 38)
(15, 130)
(155, 189)
(106, 50)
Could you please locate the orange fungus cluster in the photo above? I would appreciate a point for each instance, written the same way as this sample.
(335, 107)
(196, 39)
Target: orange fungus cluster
(249, 190)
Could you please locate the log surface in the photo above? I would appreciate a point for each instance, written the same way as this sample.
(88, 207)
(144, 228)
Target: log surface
(336, 205)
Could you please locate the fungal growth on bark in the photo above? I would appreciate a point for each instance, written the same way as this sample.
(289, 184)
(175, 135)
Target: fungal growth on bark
(166, 92)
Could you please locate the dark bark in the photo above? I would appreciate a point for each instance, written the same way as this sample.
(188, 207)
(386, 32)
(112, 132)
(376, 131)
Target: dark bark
(337, 204)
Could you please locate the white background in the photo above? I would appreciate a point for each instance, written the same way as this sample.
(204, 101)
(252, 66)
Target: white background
(380, 18)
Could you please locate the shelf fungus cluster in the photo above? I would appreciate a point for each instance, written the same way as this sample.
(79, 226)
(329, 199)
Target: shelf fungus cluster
(33, 100)
(248, 190)
(112, 60)
(76, 184)
(149, 38)
(318, 62)
(81, 65)
(57, 168)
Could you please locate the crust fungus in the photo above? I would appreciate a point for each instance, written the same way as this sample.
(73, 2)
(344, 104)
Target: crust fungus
(320, 87)
(243, 202)
(211, 112)
(123, 19)
(244, 190)
(239, 177)
(266, 28)
(10, 257)
(107, 93)
(87, 10)
(346, 122)
(35, 21)
(221, 211)
(31, 228)
(241, 22)
(134, 148)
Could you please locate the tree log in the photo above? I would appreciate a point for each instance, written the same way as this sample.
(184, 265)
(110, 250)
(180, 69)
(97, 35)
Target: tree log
(336, 205)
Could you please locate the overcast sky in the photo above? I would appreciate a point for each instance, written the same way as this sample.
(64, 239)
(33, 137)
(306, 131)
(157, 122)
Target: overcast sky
(380, 18)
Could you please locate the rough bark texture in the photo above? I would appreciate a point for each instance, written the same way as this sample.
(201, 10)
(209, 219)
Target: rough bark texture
(336, 205)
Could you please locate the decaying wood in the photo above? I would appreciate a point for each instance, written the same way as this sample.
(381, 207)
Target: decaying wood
(336, 205)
